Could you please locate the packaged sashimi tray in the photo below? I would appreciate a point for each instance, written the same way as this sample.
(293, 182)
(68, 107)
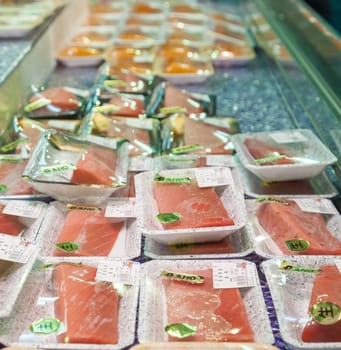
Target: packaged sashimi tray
(75, 304)
(71, 169)
(306, 295)
(204, 346)
(202, 301)
(189, 205)
(20, 223)
(79, 230)
(294, 226)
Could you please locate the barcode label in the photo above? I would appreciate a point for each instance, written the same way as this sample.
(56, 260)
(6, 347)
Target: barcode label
(220, 160)
(126, 272)
(121, 208)
(141, 163)
(234, 274)
(316, 205)
(23, 208)
(211, 177)
(16, 249)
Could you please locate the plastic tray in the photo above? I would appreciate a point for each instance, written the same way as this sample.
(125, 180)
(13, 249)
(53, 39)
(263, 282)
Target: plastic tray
(152, 314)
(291, 291)
(310, 154)
(230, 196)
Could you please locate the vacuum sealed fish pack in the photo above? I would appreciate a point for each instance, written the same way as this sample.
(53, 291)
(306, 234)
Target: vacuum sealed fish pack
(79, 230)
(188, 301)
(295, 226)
(189, 205)
(306, 294)
(74, 305)
(72, 169)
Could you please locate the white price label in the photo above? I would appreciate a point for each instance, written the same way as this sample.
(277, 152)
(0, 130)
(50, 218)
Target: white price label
(63, 124)
(146, 124)
(23, 208)
(126, 272)
(234, 274)
(141, 163)
(211, 177)
(337, 262)
(316, 205)
(288, 137)
(121, 208)
(102, 141)
(16, 249)
(220, 160)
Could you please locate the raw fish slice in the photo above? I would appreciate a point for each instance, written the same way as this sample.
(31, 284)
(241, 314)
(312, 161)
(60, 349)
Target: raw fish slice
(89, 309)
(207, 136)
(11, 176)
(10, 224)
(327, 287)
(175, 97)
(198, 207)
(61, 101)
(285, 222)
(96, 166)
(130, 106)
(219, 314)
(95, 234)
(259, 149)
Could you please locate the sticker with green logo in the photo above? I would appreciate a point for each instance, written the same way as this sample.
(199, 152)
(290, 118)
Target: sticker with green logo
(3, 188)
(271, 199)
(180, 330)
(168, 217)
(106, 109)
(270, 159)
(11, 160)
(114, 83)
(297, 245)
(326, 313)
(45, 325)
(48, 170)
(183, 277)
(170, 180)
(186, 149)
(285, 265)
(42, 102)
(14, 144)
(172, 110)
(68, 246)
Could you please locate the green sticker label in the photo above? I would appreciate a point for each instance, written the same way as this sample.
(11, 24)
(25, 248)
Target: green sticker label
(82, 207)
(68, 246)
(326, 313)
(271, 199)
(106, 109)
(11, 160)
(186, 149)
(285, 265)
(168, 217)
(3, 188)
(269, 159)
(172, 110)
(183, 277)
(297, 245)
(180, 159)
(42, 102)
(180, 330)
(48, 170)
(14, 144)
(114, 83)
(169, 180)
(45, 326)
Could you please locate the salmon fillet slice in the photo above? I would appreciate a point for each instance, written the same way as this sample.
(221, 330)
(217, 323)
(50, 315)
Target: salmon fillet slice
(10, 224)
(259, 149)
(218, 314)
(327, 286)
(89, 310)
(96, 166)
(285, 222)
(198, 207)
(95, 234)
